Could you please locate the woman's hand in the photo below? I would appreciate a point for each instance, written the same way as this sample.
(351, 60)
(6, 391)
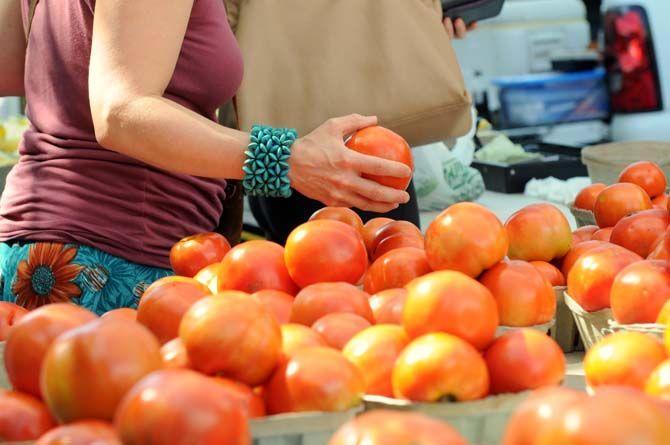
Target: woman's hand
(323, 168)
(458, 29)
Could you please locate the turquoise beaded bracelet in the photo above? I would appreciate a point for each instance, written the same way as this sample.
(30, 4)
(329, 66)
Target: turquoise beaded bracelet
(266, 167)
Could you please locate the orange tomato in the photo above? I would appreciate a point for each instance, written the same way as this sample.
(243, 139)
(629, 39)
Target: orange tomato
(524, 359)
(383, 143)
(385, 427)
(664, 314)
(370, 230)
(277, 302)
(625, 358)
(192, 254)
(641, 231)
(387, 306)
(209, 276)
(165, 302)
(252, 404)
(255, 265)
(31, 337)
(87, 432)
(395, 269)
(225, 333)
(591, 277)
(338, 328)
(660, 202)
(174, 355)
(296, 337)
(325, 251)
(22, 417)
(314, 379)
(658, 383)
(648, 175)
(586, 199)
(374, 351)
(181, 407)
(603, 235)
(661, 249)
(578, 250)
(396, 242)
(393, 228)
(317, 300)
(451, 302)
(583, 234)
(124, 313)
(618, 201)
(639, 292)
(439, 367)
(341, 214)
(89, 369)
(10, 314)
(523, 296)
(538, 232)
(549, 272)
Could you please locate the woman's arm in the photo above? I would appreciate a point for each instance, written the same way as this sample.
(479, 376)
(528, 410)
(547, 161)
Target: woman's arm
(12, 49)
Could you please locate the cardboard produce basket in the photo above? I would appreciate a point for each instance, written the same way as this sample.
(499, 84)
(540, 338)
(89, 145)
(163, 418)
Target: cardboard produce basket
(481, 422)
(583, 217)
(564, 331)
(592, 326)
(653, 329)
(606, 161)
(544, 328)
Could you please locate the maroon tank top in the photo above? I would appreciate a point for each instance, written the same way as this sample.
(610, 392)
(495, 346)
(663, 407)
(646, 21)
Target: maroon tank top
(66, 187)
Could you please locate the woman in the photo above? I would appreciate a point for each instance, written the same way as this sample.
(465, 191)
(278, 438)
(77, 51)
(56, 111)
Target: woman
(124, 157)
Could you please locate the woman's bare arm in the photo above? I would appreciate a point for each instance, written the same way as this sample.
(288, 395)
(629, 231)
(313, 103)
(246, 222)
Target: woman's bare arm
(12, 49)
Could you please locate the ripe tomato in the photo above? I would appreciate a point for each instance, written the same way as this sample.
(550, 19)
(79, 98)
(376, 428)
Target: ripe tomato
(658, 383)
(370, 230)
(396, 242)
(648, 175)
(451, 302)
(314, 379)
(639, 292)
(174, 355)
(209, 276)
(338, 328)
(341, 214)
(374, 351)
(393, 228)
(89, 369)
(538, 232)
(325, 251)
(550, 273)
(87, 432)
(30, 338)
(664, 314)
(592, 275)
(252, 404)
(577, 251)
(603, 235)
(660, 202)
(253, 266)
(225, 333)
(641, 231)
(583, 234)
(382, 427)
(625, 358)
(440, 367)
(383, 143)
(523, 296)
(524, 359)
(661, 249)
(317, 300)
(395, 269)
(22, 417)
(618, 201)
(544, 409)
(181, 407)
(586, 199)
(277, 302)
(165, 302)
(192, 254)
(387, 306)
(124, 313)
(466, 237)
(296, 337)
(10, 314)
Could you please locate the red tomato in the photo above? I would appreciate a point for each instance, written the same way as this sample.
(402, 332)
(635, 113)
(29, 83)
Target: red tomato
(618, 201)
(577, 251)
(393, 228)
(225, 333)
(277, 302)
(10, 314)
(383, 143)
(209, 276)
(338, 328)
(174, 355)
(647, 175)
(87, 432)
(181, 407)
(658, 383)
(437, 367)
(396, 242)
(385, 427)
(466, 237)
(31, 337)
(660, 202)
(641, 231)
(252, 404)
(89, 369)
(586, 199)
(549, 272)
(124, 313)
(314, 379)
(22, 417)
(341, 214)
(639, 292)
(625, 358)
(661, 250)
(603, 235)
(325, 251)
(538, 232)
(524, 359)
(387, 306)
(296, 337)
(253, 266)
(395, 269)
(370, 230)
(583, 234)
(317, 300)
(451, 302)
(192, 254)
(374, 351)
(165, 302)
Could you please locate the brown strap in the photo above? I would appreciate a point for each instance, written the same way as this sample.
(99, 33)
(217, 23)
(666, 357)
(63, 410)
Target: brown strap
(31, 14)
